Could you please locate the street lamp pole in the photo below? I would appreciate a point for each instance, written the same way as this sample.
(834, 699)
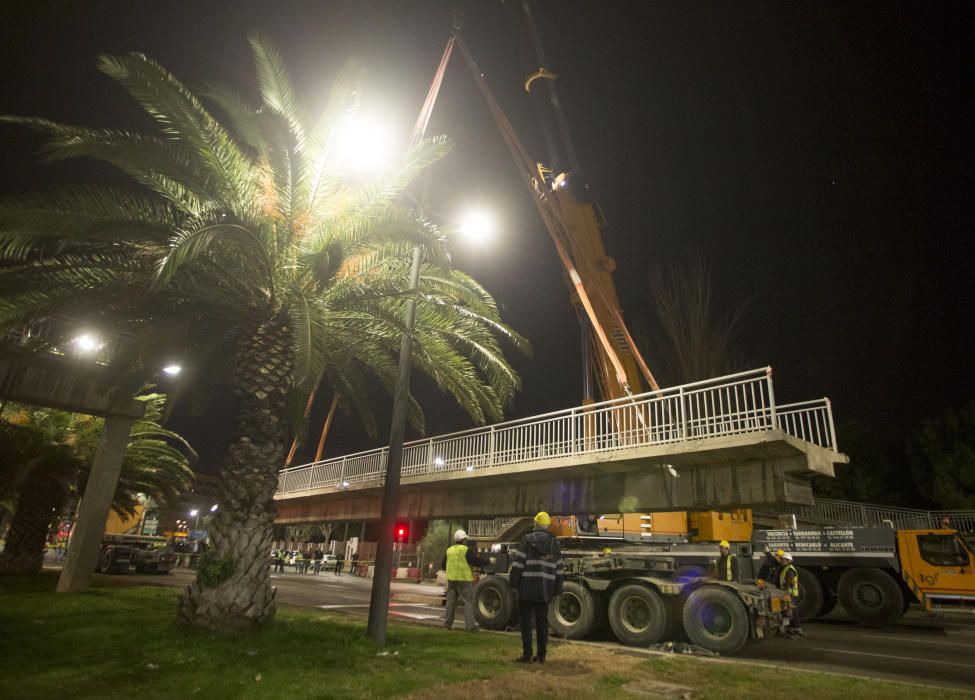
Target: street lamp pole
(383, 571)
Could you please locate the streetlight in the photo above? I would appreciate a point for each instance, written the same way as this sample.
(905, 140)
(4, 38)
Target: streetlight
(379, 597)
(478, 226)
(363, 145)
(172, 370)
(195, 513)
(213, 508)
(86, 343)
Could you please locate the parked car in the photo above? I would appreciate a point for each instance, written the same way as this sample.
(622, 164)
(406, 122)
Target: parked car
(144, 553)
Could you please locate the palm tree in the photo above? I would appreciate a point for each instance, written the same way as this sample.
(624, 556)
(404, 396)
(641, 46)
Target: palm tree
(46, 456)
(249, 235)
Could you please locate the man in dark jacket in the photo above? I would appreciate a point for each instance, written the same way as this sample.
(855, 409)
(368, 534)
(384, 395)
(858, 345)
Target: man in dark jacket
(536, 577)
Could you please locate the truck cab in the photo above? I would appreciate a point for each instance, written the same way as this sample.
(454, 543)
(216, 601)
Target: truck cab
(940, 563)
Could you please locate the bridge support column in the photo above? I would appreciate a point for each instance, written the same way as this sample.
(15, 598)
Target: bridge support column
(86, 537)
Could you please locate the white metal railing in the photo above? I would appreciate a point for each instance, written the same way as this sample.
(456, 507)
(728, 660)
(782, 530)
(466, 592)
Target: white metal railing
(731, 405)
(490, 528)
(828, 511)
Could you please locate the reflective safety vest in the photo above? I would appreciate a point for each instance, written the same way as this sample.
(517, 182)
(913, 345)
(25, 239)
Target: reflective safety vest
(727, 575)
(792, 590)
(457, 567)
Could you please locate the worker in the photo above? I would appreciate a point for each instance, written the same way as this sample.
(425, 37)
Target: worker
(459, 562)
(789, 582)
(536, 578)
(771, 565)
(727, 563)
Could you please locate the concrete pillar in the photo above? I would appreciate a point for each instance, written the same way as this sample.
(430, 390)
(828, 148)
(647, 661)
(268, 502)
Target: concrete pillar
(345, 536)
(89, 528)
(410, 532)
(362, 533)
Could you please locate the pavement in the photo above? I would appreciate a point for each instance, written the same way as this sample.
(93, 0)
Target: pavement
(938, 651)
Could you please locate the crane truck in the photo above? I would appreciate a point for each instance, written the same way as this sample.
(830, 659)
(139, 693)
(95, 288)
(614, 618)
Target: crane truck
(640, 592)
(875, 573)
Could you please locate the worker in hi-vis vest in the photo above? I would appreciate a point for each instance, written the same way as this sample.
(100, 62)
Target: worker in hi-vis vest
(789, 582)
(458, 562)
(727, 563)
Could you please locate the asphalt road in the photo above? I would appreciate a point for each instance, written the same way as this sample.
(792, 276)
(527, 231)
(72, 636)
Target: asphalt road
(920, 649)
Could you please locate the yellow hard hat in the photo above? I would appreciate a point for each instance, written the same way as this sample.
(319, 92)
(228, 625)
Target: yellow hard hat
(542, 518)
(724, 543)
(780, 552)
(607, 550)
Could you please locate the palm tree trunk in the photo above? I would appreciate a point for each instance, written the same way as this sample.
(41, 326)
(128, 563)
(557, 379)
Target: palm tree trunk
(232, 591)
(40, 497)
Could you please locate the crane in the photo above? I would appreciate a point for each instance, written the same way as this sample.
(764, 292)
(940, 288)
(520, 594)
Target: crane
(566, 200)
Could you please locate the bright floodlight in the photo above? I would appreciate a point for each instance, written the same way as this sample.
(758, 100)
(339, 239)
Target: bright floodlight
(478, 226)
(194, 513)
(438, 461)
(87, 343)
(213, 508)
(172, 370)
(363, 146)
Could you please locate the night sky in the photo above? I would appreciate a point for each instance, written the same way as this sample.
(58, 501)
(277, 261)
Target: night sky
(818, 154)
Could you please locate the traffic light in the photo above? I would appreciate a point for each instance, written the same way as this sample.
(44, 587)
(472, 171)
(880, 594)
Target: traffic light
(401, 533)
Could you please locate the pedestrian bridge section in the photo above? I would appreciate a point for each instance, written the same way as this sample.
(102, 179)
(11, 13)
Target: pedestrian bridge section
(718, 443)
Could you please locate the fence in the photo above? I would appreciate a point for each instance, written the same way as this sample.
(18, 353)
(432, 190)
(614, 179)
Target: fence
(827, 511)
(489, 528)
(731, 405)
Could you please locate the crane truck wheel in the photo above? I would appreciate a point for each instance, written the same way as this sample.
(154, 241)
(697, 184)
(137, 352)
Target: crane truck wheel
(575, 612)
(494, 603)
(637, 615)
(715, 619)
(811, 596)
(871, 596)
(106, 562)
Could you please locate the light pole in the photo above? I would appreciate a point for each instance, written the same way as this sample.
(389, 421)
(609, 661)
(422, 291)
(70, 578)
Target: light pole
(379, 597)
(195, 513)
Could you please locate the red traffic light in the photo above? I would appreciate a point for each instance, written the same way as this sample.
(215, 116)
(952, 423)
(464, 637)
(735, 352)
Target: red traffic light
(401, 533)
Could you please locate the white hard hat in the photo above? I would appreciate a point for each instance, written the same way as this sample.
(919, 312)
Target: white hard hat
(460, 536)
(787, 556)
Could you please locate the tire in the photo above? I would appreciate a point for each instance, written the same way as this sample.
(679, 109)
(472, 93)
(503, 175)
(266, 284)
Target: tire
(637, 615)
(106, 561)
(716, 620)
(871, 596)
(494, 603)
(811, 596)
(576, 612)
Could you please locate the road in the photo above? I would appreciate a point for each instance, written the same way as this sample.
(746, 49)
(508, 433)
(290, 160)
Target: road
(920, 649)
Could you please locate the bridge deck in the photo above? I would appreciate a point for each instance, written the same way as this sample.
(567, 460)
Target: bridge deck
(728, 420)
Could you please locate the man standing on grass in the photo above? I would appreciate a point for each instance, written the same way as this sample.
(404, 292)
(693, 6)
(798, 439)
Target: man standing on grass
(458, 562)
(536, 577)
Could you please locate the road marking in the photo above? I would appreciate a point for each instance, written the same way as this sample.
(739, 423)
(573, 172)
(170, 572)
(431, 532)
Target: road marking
(416, 616)
(917, 641)
(366, 605)
(891, 656)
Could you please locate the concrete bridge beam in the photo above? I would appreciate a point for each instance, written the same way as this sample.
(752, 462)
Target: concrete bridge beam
(728, 475)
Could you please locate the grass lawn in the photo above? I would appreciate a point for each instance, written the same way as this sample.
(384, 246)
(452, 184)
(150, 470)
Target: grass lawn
(122, 642)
